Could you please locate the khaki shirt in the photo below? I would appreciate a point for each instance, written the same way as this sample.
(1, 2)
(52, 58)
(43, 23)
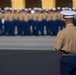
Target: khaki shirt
(44, 16)
(1, 15)
(40, 17)
(21, 16)
(16, 16)
(30, 16)
(35, 17)
(59, 16)
(49, 16)
(54, 16)
(66, 39)
(11, 17)
(26, 17)
(5, 16)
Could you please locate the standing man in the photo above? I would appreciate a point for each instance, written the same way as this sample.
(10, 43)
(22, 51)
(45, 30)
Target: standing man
(55, 25)
(40, 22)
(11, 27)
(30, 20)
(66, 44)
(60, 19)
(35, 22)
(44, 18)
(6, 22)
(21, 21)
(26, 26)
(16, 19)
(49, 22)
(1, 28)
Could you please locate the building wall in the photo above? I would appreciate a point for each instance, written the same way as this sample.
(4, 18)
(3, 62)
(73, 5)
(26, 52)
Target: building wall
(50, 3)
(18, 3)
(36, 3)
(74, 3)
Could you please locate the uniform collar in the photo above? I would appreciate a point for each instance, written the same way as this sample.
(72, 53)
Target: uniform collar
(68, 25)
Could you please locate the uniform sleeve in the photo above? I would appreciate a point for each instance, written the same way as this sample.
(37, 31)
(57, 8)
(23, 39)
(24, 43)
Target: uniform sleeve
(59, 41)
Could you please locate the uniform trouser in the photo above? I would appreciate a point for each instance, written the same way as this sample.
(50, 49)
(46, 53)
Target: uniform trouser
(26, 28)
(55, 27)
(35, 28)
(41, 27)
(19, 27)
(30, 23)
(11, 28)
(74, 22)
(44, 23)
(68, 65)
(16, 23)
(48, 27)
(5, 27)
(1, 29)
(61, 24)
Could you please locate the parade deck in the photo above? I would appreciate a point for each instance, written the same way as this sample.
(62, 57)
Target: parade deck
(28, 55)
(27, 42)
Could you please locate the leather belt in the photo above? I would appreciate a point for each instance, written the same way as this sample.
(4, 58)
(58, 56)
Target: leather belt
(68, 54)
(64, 53)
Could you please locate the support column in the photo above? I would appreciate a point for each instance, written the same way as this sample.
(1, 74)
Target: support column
(74, 3)
(50, 3)
(18, 3)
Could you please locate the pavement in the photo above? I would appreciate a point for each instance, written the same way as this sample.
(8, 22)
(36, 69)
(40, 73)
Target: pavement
(27, 42)
(28, 55)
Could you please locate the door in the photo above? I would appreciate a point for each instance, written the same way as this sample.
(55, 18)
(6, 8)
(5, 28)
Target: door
(63, 3)
(33, 3)
(5, 3)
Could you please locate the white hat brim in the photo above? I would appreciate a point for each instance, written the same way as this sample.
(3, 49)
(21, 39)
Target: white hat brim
(68, 16)
(68, 12)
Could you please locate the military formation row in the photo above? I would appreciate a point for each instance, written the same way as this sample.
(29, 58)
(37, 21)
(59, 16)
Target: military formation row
(33, 22)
